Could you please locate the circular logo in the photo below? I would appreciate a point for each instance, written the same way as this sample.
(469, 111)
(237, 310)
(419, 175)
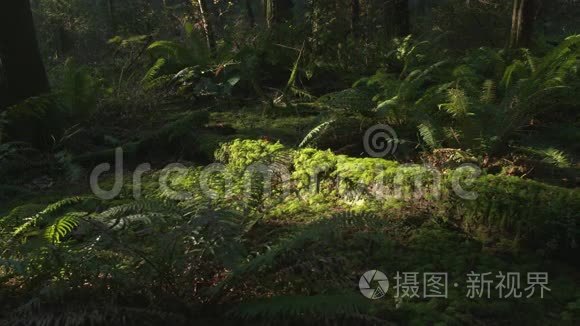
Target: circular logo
(380, 140)
(381, 285)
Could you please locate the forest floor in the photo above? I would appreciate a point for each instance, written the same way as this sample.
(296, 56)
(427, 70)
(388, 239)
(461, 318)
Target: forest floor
(325, 268)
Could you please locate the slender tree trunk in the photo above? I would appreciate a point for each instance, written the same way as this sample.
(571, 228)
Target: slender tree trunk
(523, 17)
(269, 12)
(204, 10)
(314, 21)
(402, 17)
(397, 18)
(277, 11)
(111, 14)
(158, 4)
(22, 73)
(250, 13)
(355, 17)
(64, 42)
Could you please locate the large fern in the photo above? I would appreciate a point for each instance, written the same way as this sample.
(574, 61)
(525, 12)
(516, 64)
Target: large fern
(78, 91)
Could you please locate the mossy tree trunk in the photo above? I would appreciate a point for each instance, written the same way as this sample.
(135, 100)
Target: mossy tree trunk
(22, 73)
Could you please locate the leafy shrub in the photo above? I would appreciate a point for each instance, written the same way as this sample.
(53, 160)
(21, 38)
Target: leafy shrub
(489, 97)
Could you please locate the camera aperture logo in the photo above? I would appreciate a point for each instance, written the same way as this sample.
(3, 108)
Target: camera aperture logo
(380, 140)
(373, 284)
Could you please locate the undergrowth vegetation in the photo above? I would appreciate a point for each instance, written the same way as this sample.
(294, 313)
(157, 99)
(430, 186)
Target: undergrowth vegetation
(231, 244)
(247, 192)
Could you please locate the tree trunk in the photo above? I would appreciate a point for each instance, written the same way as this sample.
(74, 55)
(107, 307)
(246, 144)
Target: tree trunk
(397, 18)
(277, 11)
(250, 13)
(205, 12)
(111, 16)
(22, 73)
(402, 17)
(523, 17)
(355, 17)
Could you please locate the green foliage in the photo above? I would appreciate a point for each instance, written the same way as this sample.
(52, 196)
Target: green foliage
(519, 208)
(484, 23)
(40, 114)
(352, 99)
(280, 235)
(488, 92)
(429, 135)
(477, 114)
(179, 253)
(188, 68)
(173, 56)
(315, 133)
(62, 226)
(322, 307)
(42, 121)
(78, 91)
(551, 156)
(370, 179)
(239, 154)
(458, 105)
(15, 156)
(32, 221)
(340, 110)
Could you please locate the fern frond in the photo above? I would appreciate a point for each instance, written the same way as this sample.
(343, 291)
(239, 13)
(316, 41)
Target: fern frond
(78, 91)
(315, 132)
(427, 132)
(63, 226)
(550, 156)
(513, 71)
(169, 49)
(530, 60)
(488, 92)
(48, 211)
(556, 157)
(17, 214)
(135, 207)
(458, 105)
(153, 72)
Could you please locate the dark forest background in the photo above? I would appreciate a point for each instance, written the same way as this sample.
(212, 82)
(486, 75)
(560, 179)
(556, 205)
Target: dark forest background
(290, 84)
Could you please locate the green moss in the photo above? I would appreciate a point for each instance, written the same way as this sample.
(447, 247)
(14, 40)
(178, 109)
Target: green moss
(521, 209)
(528, 210)
(240, 154)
